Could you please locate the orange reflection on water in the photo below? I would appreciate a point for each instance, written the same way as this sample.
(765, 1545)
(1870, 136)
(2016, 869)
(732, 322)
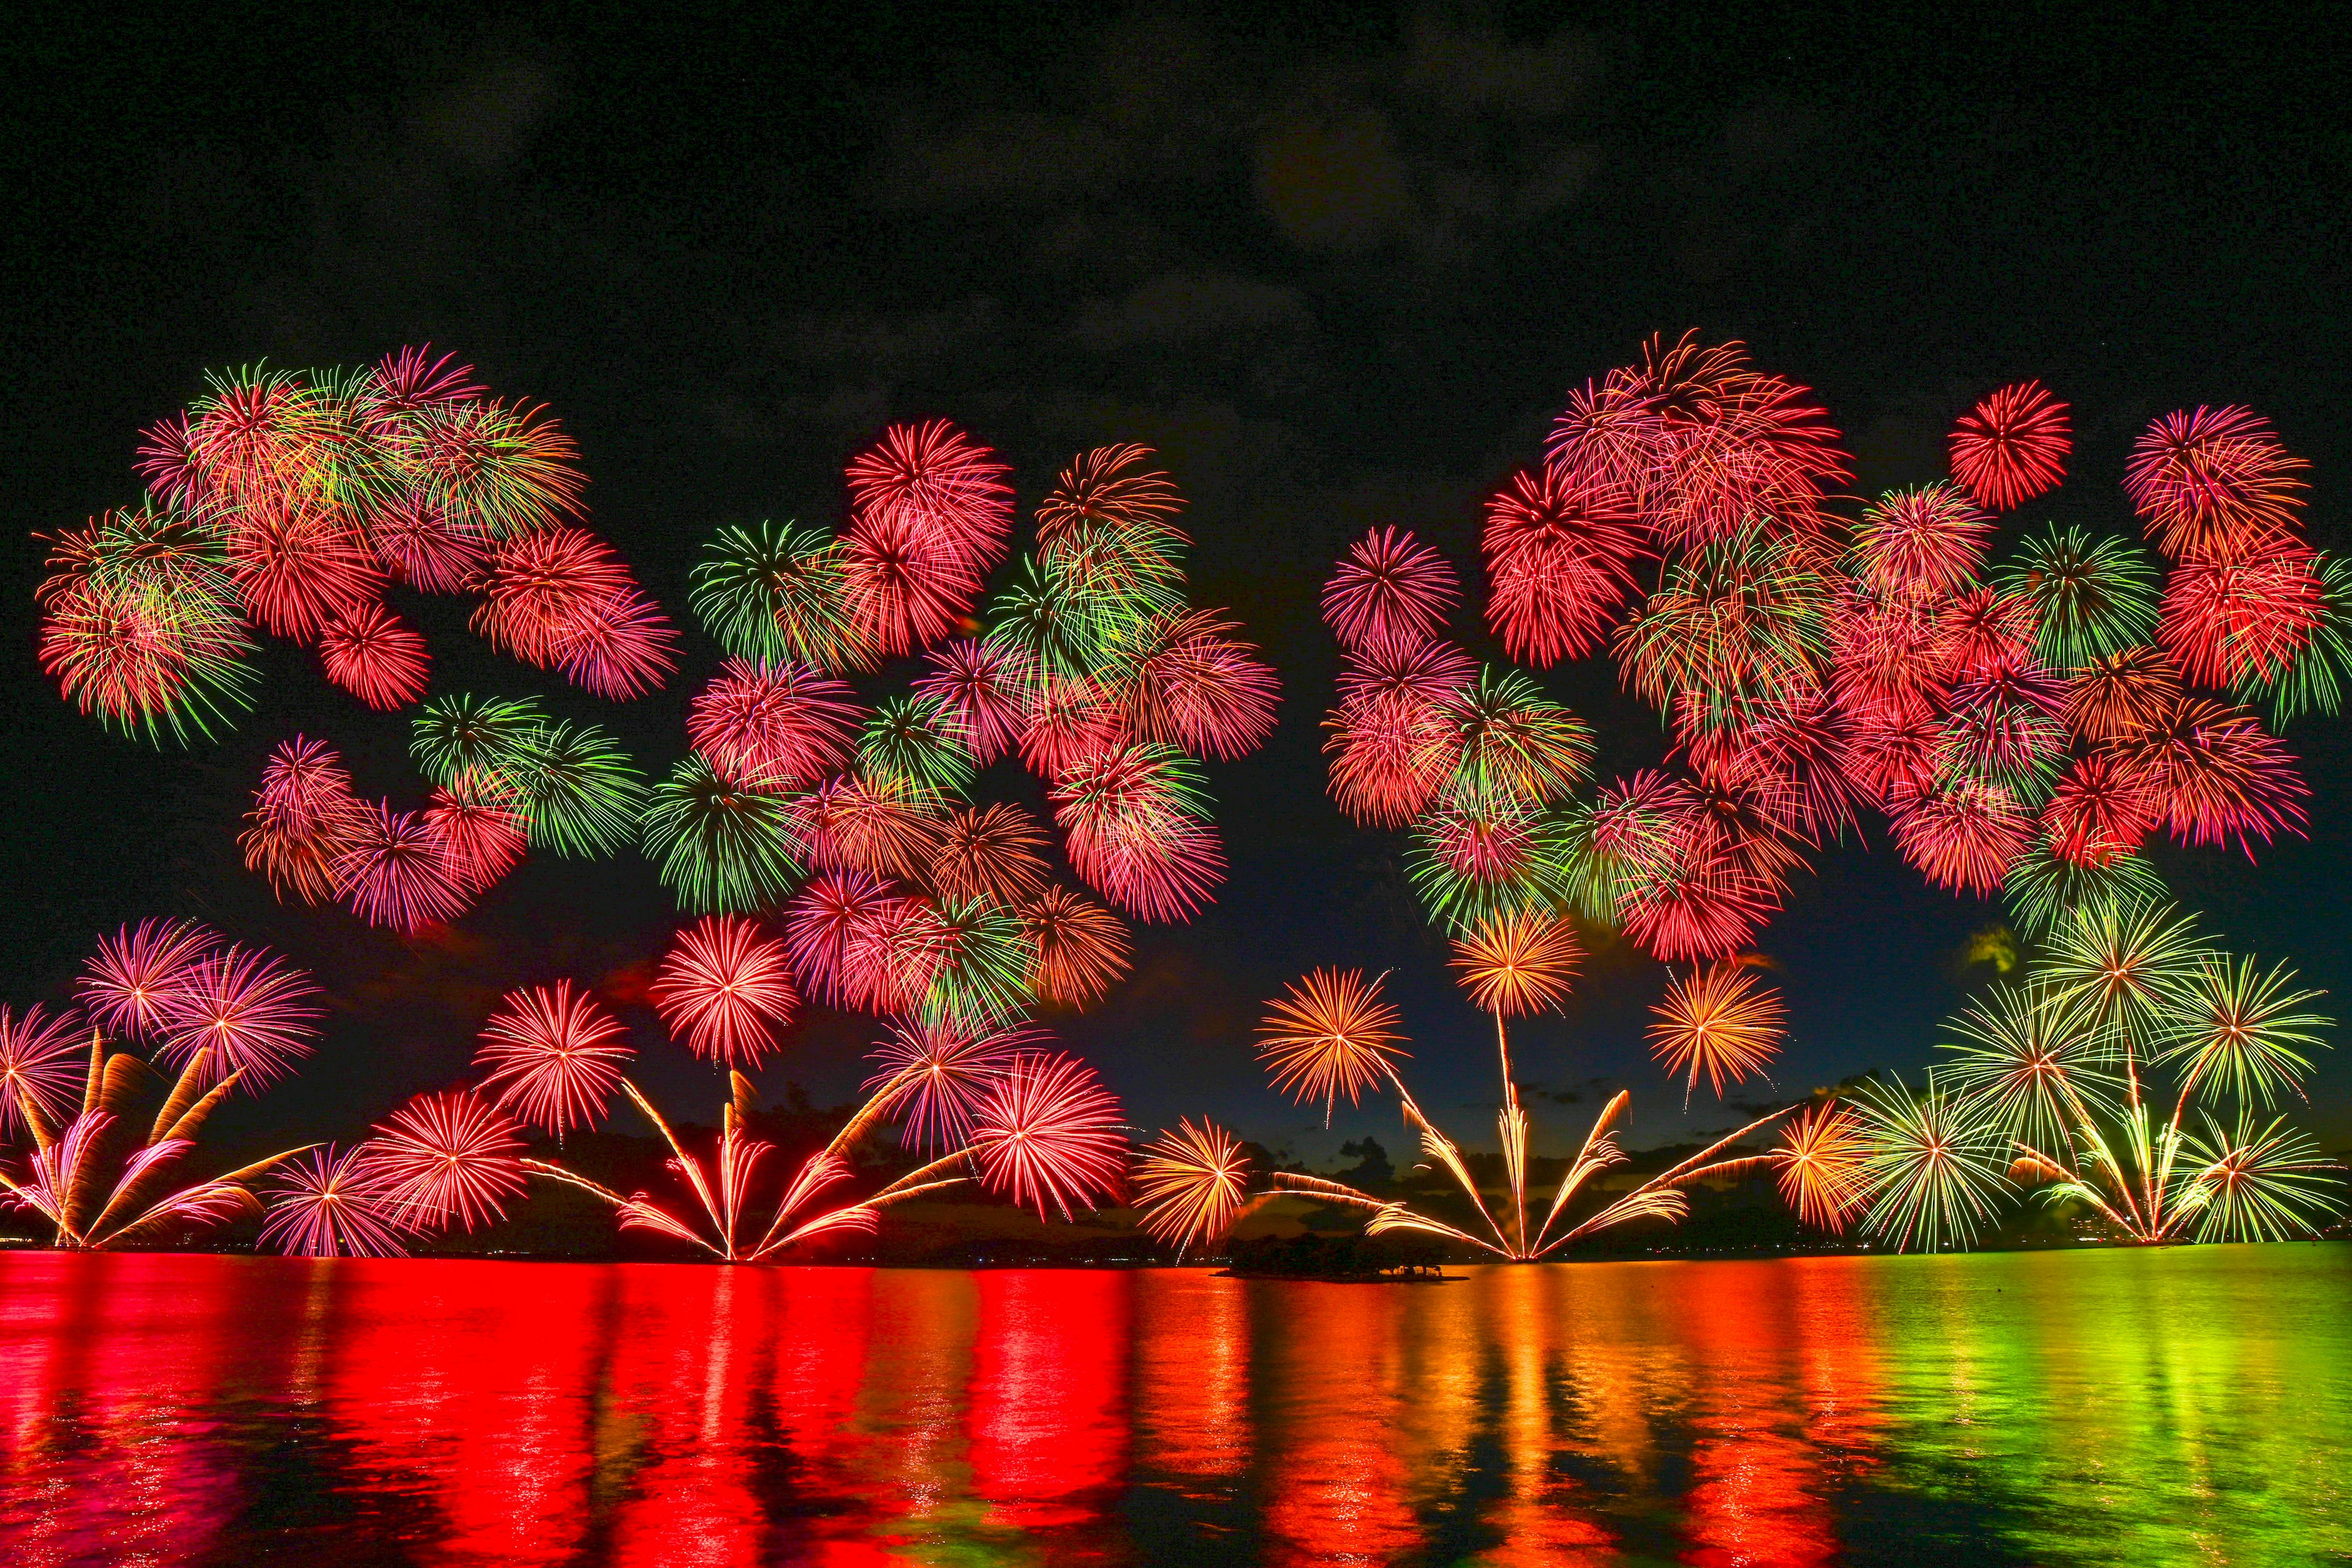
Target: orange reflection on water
(1332, 1370)
(1192, 1382)
(1540, 1518)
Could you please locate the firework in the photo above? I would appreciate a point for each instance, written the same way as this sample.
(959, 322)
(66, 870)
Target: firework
(830, 930)
(2123, 969)
(936, 477)
(1070, 720)
(395, 868)
(1081, 949)
(1101, 489)
(1720, 1021)
(135, 978)
(325, 1204)
(455, 736)
(1107, 536)
(616, 645)
(580, 794)
(1962, 834)
(1333, 1034)
(1511, 742)
(2004, 726)
(2266, 1186)
(906, 584)
(1135, 827)
(981, 689)
(2124, 696)
(1048, 1132)
(2314, 681)
(1743, 617)
(722, 845)
(2030, 1066)
(507, 471)
(447, 1159)
(477, 818)
(372, 656)
(303, 817)
(1190, 1183)
(2209, 479)
(421, 545)
(773, 594)
(142, 626)
(1191, 685)
(2044, 887)
(38, 1065)
(2243, 621)
(538, 588)
(1928, 540)
(2088, 599)
(2012, 446)
(245, 1011)
(1389, 587)
(1821, 1158)
(299, 567)
(2239, 1031)
(937, 1075)
(2217, 776)
(1517, 962)
(726, 988)
(1934, 1166)
(991, 852)
(1984, 629)
(1560, 550)
(554, 1057)
(1389, 755)
(912, 744)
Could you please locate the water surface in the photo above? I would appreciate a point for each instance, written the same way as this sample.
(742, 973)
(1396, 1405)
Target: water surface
(2142, 1407)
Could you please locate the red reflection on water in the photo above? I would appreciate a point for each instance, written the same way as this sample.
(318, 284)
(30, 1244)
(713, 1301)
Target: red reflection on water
(112, 1370)
(1336, 1488)
(1756, 1492)
(1048, 1410)
(695, 1343)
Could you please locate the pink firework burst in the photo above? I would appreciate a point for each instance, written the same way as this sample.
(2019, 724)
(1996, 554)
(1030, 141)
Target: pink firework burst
(1389, 587)
(2213, 481)
(837, 930)
(133, 980)
(1963, 834)
(908, 584)
(983, 687)
(936, 1076)
(450, 1158)
(396, 869)
(372, 656)
(2012, 446)
(250, 1009)
(1924, 541)
(554, 1056)
(325, 1204)
(479, 818)
(726, 988)
(2217, 776)
(40, 1066)
(421, 545)
(1048, 1132)
(2099, 811)
(537, 586)
(2246, 617)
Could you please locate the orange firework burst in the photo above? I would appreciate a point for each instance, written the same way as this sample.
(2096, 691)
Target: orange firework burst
(1190, 1183)
(1821, 1162)
(1719, 1021)
(1518, 961)
(1332, 1033)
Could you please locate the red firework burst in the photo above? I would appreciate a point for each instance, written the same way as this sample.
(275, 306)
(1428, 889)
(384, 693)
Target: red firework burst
(1130, 826)
(372, 656)
(40, 1067)
(1984, 630)
(479, 819)
(2243, 618)
(616, 645)
(250, 1009)
(422, 546)
(2217, 776)
(836, 929)
(133, 980)
(1201, 689)
(303, 817)
(1103, 488)
(1070, 719)
(983, 687)
(1788, 760)
(939, 1074)
(1389, 587)
(1924, 541)
(849, 823)
(2212, 481)
(1962, 833)
(1889, 756)
(1560, 547)
(538, 587)
(395, 869)
(2100, 810)
(727, 989)
(942, 483)
(908, 585)
(2012, 446)
(779, 726)
(410, 381)
(554, 1056)
(1081, 948)
(1389, 755)
(1888, 655)
(502, 470)
(1048, 1132)
(299, 566)
(167, 461)
(448, 1159)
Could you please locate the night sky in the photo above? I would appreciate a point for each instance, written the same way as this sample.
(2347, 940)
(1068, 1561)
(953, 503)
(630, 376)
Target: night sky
(1340, 272)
